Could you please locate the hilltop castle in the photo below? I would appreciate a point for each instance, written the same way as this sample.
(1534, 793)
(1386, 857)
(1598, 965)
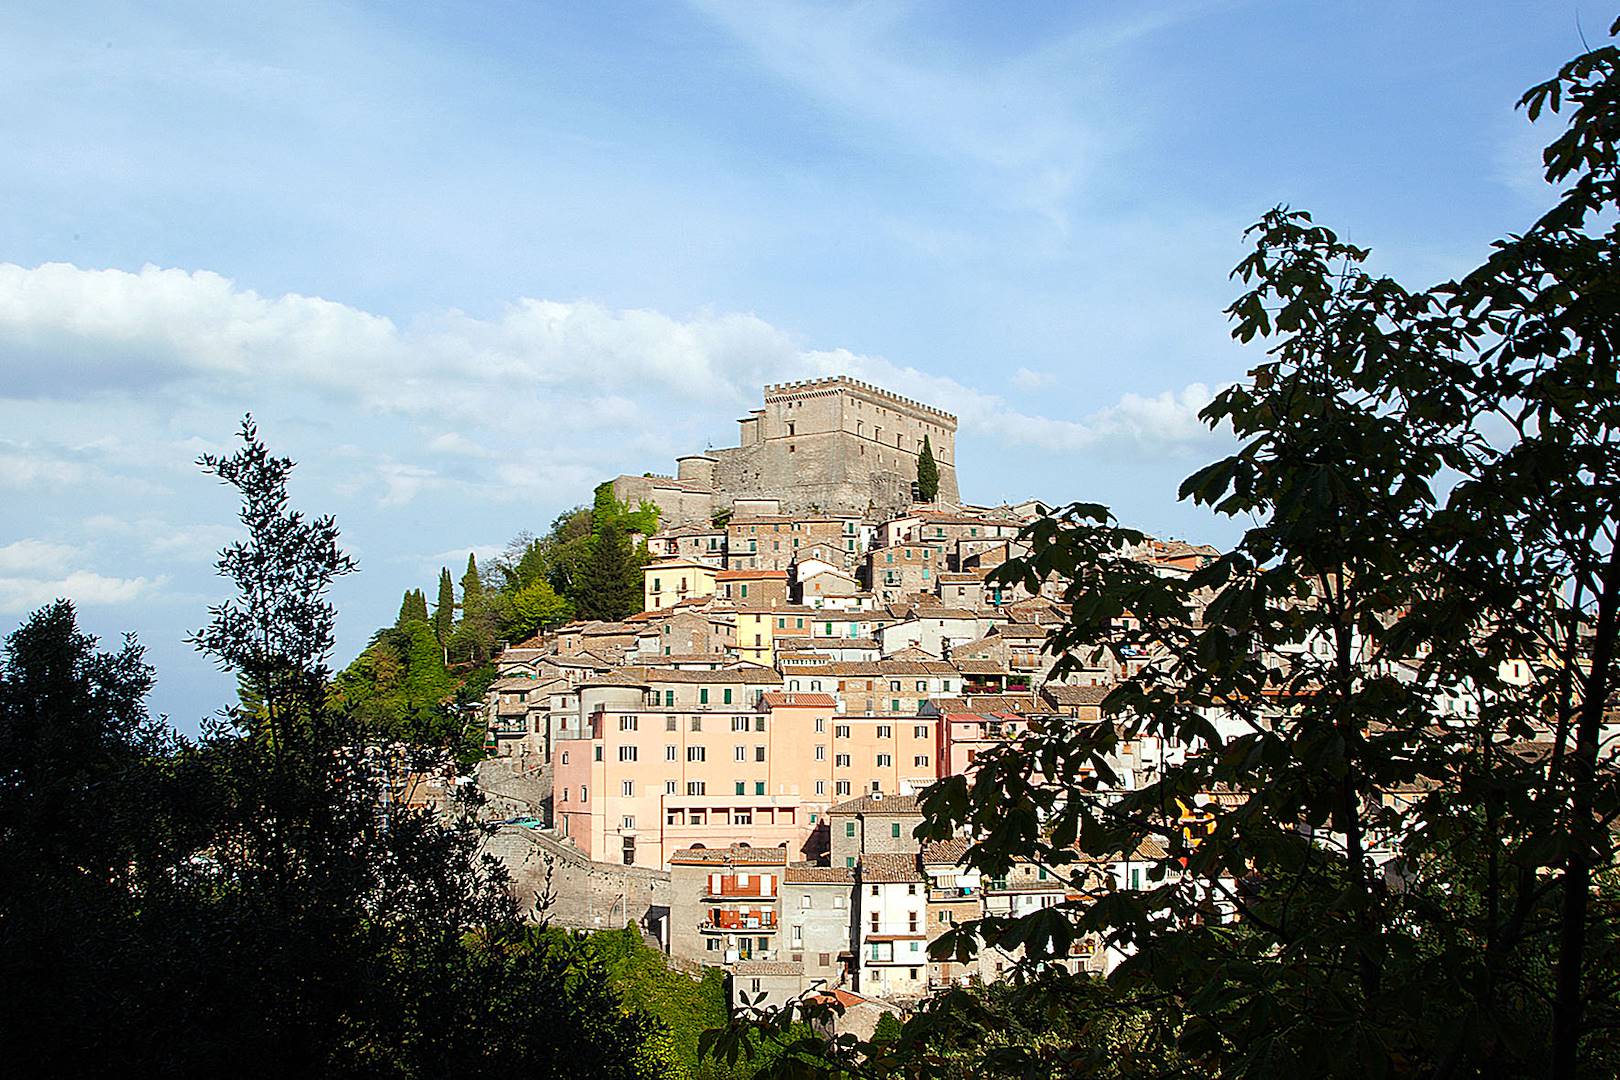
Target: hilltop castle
(834, 445)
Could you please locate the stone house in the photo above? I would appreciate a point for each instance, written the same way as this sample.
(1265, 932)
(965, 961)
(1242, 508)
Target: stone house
(725, 904)
(819, 920)
(872, 824)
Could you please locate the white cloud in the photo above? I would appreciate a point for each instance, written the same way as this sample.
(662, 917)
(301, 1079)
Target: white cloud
(36, 556)
(1026, 379)
(24, 467)
(81, 586)
(597, 386)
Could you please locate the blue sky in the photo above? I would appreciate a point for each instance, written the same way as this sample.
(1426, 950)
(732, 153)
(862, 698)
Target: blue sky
(465, 260)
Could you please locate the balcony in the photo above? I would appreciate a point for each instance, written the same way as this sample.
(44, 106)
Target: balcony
(733, 891)
(735, 922)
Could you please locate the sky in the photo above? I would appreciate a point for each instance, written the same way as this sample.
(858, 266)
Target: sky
(464, 261)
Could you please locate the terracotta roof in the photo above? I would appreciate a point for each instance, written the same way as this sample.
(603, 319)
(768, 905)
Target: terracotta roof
(1076, 695)
(777, 700)
(811, 874)
(877, 804)
(889, 867)
(946, 851)
(734, 854)
(992, 703)
(766, 967)
(748, 673)
(751, 575)
(970, 666)
(1022, 631)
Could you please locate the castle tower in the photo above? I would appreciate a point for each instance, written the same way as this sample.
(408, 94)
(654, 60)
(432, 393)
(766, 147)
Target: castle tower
(837, 445)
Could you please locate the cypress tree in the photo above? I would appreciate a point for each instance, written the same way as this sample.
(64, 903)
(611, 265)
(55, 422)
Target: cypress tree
(444, 615)
(609, 585)
(472, 589)
(412, 608)
(927, 473)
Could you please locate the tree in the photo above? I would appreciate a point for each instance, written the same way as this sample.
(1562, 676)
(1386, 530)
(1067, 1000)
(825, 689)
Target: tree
(927, 473)
(535, 607)
(474, 639)
(472, 587)
(444, 612)
(1390, 847)
(84, 803)
(413, 608)
(609, 584)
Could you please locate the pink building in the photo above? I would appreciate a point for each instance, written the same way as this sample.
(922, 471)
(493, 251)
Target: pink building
(646, 778)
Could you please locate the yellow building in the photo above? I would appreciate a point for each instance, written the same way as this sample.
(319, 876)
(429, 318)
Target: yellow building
(754, 635)
(669, 581)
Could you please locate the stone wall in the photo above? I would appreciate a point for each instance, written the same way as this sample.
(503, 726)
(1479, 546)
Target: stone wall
(584, 895)
(820, 445)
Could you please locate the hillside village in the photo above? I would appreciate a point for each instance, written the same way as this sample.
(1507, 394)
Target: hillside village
(736, 766)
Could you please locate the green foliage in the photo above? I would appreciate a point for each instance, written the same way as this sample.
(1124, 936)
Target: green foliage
(444, 612)
(398, 688)
(534, 607)
(258, 904)
(927, 473)
(606, 509)
(1430, 487)
(609, 583)
(413, 608)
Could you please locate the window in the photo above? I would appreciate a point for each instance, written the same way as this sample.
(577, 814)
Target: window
(565, 795)
(696, 787)
(597, 752)
(759, 721)
(669, 787)
(821, 753)
(849, 828)
(628, 821)
(627, 753)
(739, 753)
(741, 788)
(697, 723)
(920, 761)
(565, 757)
(840, 901)
(885, 731)
(726, 696)
(759, 753)
(894, 704)
(627, 723)
(894, 831)
(739, 723)
(821, 725)
(745, 592)
(670, 723)
(804, 902)
(874, 914)
(922, 686)
(821, 787)
(759, 787)
(894, 685)
(703, 696)
(884, 761)
(840, 731)
(911, 917)
(694, 753)
(919, 731)
(841, 787)
(841, 761)
(584, 795)
(672, 753)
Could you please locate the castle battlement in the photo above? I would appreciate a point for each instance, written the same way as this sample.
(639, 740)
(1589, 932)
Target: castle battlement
(833, 383)
(831, 444)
